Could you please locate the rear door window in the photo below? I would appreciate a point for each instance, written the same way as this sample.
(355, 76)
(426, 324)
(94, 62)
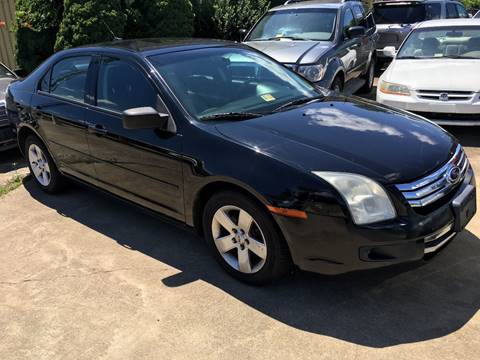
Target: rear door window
(452, 12)
(461, 11)
(69, 78)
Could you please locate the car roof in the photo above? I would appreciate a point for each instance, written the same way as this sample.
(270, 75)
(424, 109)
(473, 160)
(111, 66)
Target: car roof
(153, 46)
(314, 4)
(448, 22)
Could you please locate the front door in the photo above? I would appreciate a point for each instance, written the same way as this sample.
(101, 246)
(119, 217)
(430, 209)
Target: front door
(350, 49)
(141, 165)
(59, 107)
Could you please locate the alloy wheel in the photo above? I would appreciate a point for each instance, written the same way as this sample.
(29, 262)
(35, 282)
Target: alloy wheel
(239, 239)
(39, 164)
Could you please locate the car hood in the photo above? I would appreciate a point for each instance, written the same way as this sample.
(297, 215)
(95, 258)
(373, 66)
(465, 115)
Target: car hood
(456, 75)
(290, 51)
(350, 135)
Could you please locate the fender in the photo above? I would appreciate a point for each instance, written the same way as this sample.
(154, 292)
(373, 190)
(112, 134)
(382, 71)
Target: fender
(334, 67)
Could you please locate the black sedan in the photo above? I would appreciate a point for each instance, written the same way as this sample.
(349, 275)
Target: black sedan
(272, 170)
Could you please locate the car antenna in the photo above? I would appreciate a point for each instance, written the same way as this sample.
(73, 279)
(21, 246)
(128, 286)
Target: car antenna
(115, 37)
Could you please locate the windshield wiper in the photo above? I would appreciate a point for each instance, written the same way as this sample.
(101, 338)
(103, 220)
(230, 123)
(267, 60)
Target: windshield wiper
(231, 116)
(301, 101)
(460, 57)
(413, 57)
(287, 37)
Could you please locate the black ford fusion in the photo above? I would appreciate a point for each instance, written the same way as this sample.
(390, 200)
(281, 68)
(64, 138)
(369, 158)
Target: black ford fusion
(272, 170)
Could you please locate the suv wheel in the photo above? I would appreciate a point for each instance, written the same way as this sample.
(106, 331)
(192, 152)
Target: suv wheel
(244, 239)
(369, 78)
(41, 166)
(337, 84)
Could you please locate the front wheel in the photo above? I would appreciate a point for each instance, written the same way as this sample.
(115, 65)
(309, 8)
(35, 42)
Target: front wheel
(244, 239)
(337, 84)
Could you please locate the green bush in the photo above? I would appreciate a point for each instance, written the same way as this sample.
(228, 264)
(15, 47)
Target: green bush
(232, 15)
(203, 22)
(90, 21)
(37, 23)
(160, 18)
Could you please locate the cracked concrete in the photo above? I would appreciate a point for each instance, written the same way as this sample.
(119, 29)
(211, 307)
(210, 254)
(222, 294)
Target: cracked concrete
(84, 276)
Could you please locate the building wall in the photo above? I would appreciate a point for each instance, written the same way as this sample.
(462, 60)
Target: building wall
(7, 37)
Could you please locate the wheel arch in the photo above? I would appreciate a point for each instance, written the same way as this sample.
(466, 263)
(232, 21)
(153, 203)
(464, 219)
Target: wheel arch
(24, 132)
(208, 190)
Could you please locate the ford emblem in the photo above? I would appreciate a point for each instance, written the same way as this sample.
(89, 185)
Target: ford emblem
(453, 175)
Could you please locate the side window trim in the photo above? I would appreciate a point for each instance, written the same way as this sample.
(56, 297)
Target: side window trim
(100, 60)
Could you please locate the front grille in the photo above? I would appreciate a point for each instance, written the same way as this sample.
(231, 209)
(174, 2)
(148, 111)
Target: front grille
(6, 135)
(435, 186)
(446, 96)
(3, 114)
(448, 116)
(387, 39)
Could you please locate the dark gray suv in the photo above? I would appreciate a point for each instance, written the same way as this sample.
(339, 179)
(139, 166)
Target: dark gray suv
(331, 43)
(396, 18)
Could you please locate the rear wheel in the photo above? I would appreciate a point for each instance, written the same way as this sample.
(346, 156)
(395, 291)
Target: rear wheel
(244, 239)
(41, 166)
(337, 84)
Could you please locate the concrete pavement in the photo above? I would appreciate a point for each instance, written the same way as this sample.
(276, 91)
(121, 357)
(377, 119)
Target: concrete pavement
(85, 276)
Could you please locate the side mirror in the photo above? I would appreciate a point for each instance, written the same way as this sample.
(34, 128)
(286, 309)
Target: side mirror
(242, 33)
(145, 118)
(356, 32)
(389, 51)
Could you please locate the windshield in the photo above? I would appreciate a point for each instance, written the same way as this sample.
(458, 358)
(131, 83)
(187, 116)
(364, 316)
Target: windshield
(301, 24)
(230, 80)
(406, 13)
(458, 42)
(4, 72)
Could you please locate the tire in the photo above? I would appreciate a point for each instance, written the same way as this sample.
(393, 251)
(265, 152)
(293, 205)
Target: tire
(42, 167)
(257, 256)
(337, 84)
(369, 78)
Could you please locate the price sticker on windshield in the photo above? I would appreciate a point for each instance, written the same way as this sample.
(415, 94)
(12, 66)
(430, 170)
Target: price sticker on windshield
(268, 97)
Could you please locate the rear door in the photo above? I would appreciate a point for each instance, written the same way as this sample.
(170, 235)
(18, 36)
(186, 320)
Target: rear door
(140, 165)
(58, 106)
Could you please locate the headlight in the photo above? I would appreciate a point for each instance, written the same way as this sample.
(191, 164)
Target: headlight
(313, 73)
(368, 202)
(395, 89)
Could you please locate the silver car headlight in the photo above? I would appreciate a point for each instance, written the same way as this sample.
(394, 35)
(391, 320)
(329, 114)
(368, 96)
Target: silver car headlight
(313, 73)
(367, 200)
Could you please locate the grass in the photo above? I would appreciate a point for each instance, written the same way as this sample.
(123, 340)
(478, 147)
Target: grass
(11, 185)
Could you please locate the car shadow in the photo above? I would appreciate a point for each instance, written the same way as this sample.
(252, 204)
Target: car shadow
(11, 160)
(386, 307)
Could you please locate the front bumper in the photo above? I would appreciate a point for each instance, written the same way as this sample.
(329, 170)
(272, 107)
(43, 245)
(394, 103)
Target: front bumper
(334, 245)
(466, 113)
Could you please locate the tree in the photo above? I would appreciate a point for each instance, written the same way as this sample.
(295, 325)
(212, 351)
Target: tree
(160, 18)
(37, 23)
(232, 15)
(472, 4)
(90, 21)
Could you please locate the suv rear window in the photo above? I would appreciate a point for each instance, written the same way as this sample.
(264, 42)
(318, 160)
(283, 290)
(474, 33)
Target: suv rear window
(406, 13)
